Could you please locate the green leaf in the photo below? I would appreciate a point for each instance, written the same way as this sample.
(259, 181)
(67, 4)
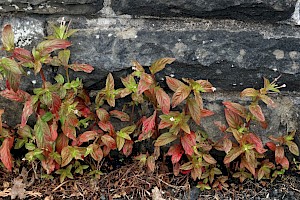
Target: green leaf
(59, 79)
(11, 65)
(164, 139)
(47, 116)
(20, 143)
(64, 56)
(120, 142)
(30, 146)
(65, 173)
(128, 130)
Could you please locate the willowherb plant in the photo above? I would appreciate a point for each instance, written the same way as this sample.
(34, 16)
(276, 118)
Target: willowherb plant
(68, 133)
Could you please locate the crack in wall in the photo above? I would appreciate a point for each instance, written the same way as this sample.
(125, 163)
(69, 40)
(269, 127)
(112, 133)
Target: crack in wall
(107, 9)
(296, 15)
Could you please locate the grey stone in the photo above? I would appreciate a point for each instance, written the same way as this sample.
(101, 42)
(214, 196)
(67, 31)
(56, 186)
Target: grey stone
(12, 112)
(231, 54)
(272, 10)
(71, 7)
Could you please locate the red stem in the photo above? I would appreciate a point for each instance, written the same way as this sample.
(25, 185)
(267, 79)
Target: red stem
(43, 78)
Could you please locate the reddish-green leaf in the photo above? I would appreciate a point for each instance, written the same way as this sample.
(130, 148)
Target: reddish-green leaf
(279, 154)
(87, 136)
(194, 110)
(236, 108)
(145, 82)
(48, 46)
(81, 68)
(61, 142)
(180, 94)
(1, 113)
(43, 135)
(163, 100)
(206, 113)
(5, 154)
(97, 153)
(164, 139)
(160, 64)
(254, 139)
(27, 111)
(233, 119)
(271, 146)
(53, 130)
(56, 103)
(209, 159)
(66, 156)
(8, 38)
(293, 147)
(176, 152)
(227, 145)
(174, 83)
(109, 141)
(151, 163)
(249, 92)
(233, 154)
(267, 100)
(187, 142)
(102, 114)
(149, 123)
(23, 55)
(127, 148)
(124, 117)
(257, 112)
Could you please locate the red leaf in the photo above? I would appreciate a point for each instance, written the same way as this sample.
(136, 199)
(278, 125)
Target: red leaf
(206, 85)
(176, 152)
(149, 123)
(173, 83)
(87, 136)
(271, 146)
(285, 163)
(109, 141)
(66, 156)
(8, 38)
(127, 148)
(254, 139)
(53, 130)
(68, 127)
(187, 142)
(267, 100)
(206, 113)
(236, 108)
(221, 126)
(163, 100)
(209, 159)
(48, 46)
(124, 117)
(43, 135)
(227, 145)
(257, 112)
(180, 94)
(81, 67)
(19, 95)
(27, 111)
(23, 55)
(5, 154)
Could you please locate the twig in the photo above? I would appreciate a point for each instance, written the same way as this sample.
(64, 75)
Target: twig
(60, 185)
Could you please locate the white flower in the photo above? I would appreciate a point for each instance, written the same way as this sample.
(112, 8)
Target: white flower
(213, 89)
(172, 119)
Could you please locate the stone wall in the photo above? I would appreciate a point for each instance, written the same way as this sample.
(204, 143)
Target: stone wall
(232, 43)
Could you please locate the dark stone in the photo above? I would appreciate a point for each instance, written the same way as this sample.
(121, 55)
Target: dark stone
(232, 55)
(66, 7)
(272, 10)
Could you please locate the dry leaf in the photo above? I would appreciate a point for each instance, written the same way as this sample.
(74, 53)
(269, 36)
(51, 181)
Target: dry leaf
(156, 194)
(18, 189)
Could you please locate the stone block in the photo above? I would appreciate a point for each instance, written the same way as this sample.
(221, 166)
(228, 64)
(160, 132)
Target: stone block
(271, 10)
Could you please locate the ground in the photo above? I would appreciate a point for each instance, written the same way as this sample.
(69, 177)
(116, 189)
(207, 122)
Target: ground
(132, 182)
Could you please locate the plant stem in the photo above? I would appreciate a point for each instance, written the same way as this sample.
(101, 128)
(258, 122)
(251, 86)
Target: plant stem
(67, 74)
(43, 78)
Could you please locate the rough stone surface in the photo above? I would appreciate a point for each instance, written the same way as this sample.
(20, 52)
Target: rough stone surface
(272, 10)
(232, 54)
(73, 7)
